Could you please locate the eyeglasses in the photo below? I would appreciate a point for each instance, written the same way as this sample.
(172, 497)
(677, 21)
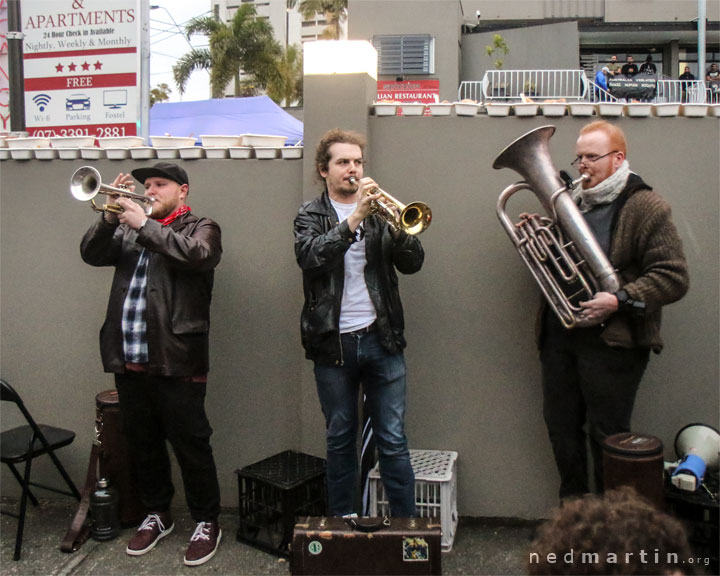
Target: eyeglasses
(590, 158)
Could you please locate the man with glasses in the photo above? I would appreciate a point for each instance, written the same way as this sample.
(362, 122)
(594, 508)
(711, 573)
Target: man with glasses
(591, 373)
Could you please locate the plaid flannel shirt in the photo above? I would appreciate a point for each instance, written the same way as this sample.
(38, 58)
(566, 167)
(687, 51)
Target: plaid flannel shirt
(134, 325)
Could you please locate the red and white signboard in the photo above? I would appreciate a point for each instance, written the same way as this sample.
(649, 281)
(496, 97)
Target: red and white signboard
(424, 91)
(81, 63)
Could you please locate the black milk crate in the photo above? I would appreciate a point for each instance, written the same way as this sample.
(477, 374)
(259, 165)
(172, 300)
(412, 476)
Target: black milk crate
(699, 512)
(273, 492)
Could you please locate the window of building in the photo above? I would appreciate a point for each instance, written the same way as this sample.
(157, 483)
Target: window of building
(409, 54)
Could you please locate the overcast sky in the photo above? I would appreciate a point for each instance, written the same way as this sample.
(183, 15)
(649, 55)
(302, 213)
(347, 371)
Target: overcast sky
(168, 45)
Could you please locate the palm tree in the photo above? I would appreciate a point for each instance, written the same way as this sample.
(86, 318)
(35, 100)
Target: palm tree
(335, 12)
(160, 93)
(287, 82)
(246, 45)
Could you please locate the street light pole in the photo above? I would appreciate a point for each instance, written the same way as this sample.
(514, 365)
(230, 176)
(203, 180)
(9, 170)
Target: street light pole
(701, 40)
(15, 67)
(144, 130)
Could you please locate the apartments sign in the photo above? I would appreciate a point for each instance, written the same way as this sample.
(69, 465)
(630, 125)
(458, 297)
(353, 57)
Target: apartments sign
(81, 62)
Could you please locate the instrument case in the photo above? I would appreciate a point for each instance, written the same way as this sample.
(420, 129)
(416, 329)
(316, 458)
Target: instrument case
(342, 546)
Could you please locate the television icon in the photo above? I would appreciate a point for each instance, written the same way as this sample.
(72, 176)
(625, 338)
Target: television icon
(115, 98)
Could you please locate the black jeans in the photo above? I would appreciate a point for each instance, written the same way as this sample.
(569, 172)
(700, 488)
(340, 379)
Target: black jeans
(584, 379)
(156, 409)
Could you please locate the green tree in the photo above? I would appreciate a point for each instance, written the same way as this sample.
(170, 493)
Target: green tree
(287, 82)
(246, 45)
(160, 93)
(334, 11)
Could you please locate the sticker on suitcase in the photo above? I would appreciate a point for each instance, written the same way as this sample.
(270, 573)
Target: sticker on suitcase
(415, 550)
(315, 548)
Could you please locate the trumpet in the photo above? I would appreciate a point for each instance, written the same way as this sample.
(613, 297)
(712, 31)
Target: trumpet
(414, 218)
(86, 183)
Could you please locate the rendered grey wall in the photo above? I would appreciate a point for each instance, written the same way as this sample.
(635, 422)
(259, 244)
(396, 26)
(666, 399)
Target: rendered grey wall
(439, 18)
(474, 382)
(547, 47)
(52, 304)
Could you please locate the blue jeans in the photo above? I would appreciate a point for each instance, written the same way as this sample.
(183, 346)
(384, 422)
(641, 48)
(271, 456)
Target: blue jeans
(382, 376)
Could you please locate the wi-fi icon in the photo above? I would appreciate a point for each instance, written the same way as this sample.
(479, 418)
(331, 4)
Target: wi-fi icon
(42, 100)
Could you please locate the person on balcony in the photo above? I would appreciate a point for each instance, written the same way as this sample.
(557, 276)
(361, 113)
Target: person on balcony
(601, 82)
(686, 78)
(713, 82)
(648, 66)
(629, 69)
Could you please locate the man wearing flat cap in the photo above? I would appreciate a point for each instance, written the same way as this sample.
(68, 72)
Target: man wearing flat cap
(155, 341)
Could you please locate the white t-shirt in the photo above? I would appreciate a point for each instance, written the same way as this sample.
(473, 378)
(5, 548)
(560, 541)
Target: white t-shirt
(357, 310)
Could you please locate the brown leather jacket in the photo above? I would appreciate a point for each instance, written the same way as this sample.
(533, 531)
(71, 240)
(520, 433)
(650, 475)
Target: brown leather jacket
(183, 257)
(647, 253)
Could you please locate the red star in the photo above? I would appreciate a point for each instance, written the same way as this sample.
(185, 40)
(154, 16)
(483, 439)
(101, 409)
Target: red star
(85, 66)
(72, 67)
(59, 68)
(98, 65)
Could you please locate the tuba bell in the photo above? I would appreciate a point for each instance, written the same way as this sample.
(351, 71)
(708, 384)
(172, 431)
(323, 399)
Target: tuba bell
(86, 183)
(559, 249)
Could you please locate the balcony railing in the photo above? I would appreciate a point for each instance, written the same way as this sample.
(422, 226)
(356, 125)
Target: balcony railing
(672, 91)
(508, 85)
(570, 85)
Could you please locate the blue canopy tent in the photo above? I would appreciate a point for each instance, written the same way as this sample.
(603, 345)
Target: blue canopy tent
(224, 116)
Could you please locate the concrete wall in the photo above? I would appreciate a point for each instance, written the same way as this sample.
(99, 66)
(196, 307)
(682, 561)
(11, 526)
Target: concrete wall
(547, 47)
(611, 10)
(52, 304)
(474, 383)
(439, 18)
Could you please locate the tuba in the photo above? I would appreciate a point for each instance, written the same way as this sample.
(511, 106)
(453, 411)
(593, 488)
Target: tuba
(559, 249)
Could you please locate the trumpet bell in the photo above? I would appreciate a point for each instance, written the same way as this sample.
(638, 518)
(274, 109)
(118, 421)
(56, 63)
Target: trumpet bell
(85, 183)
(415, 218)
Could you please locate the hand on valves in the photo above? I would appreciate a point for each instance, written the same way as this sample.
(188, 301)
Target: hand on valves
(597, 310)
(369, 196)
(133, 214)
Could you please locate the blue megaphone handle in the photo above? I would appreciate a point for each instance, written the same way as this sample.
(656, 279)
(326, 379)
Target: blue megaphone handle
(691, 464)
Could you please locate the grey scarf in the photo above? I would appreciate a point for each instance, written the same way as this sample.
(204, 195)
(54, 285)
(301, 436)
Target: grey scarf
(603, 193)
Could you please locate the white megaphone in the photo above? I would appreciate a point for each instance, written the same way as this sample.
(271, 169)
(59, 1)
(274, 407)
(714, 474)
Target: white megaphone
(698, 447)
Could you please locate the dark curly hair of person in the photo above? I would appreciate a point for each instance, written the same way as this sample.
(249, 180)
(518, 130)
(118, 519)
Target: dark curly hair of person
(619, 533)
(336, 136)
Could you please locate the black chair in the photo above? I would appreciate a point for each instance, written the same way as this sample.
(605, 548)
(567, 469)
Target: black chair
(24, 444)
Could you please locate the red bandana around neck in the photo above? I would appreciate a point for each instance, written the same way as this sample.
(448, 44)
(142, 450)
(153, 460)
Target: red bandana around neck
(179, 212)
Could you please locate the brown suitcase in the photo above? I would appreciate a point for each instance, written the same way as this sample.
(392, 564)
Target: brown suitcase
(343, 546)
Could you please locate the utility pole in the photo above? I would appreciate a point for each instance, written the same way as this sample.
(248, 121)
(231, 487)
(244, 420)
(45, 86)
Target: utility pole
(701, 39)
(15, 67)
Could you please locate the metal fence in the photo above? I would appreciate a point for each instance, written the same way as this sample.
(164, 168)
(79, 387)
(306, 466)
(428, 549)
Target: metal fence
(537, 84)
(672, 91)
(571, 85)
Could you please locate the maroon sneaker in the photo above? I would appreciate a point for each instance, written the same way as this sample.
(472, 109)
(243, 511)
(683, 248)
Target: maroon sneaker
(156, 526)
(203, 543)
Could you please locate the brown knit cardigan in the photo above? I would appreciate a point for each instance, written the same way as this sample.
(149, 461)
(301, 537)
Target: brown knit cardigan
(647, 254)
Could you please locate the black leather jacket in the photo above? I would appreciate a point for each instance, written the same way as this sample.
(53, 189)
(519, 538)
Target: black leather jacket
(320, 246)
(183, 257)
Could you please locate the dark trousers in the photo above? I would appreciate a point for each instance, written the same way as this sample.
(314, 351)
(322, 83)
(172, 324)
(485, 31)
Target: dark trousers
(585, 381)
(157, 409)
